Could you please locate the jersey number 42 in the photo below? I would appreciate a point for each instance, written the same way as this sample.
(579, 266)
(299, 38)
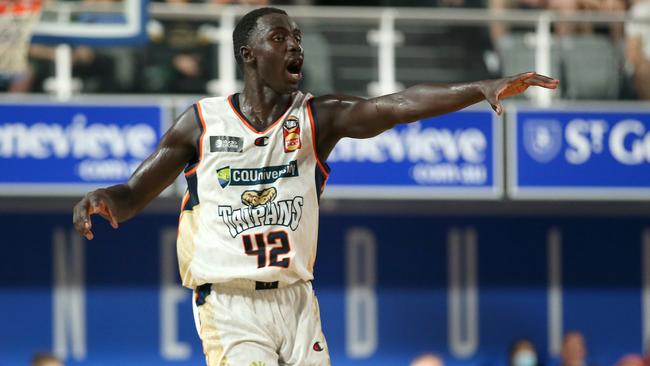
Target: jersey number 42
(276, 244)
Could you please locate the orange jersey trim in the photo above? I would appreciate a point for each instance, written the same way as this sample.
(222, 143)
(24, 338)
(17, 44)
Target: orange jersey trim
(313, 140)
(185, 199)
(245, 122)
(180, 217)
(200, 113)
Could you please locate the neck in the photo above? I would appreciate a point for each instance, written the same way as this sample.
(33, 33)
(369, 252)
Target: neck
(262, 105)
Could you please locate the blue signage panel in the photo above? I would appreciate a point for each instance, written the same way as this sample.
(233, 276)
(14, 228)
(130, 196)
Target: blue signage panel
(69, 148)
(452, 156)
(465, 287)
(579, 153)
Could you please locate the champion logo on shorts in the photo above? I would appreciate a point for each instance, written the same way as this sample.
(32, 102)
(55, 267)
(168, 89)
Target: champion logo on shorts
(317, 347)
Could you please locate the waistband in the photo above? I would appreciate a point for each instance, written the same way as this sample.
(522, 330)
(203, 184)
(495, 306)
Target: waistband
(202, 291)
(244, 284)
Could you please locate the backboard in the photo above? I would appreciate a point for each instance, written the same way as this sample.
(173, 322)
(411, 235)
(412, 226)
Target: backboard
(92, 22)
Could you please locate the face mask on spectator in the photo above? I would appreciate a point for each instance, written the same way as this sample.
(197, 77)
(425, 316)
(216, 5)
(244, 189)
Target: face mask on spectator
(524, 358)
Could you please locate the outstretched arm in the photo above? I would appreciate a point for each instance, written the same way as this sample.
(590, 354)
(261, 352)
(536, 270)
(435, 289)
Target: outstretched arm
(123, 201)
(340, 117)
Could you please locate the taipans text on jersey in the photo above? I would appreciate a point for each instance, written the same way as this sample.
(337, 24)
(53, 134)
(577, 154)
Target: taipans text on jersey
(261, 210)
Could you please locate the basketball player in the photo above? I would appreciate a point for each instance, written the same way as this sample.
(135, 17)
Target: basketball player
(255, 167)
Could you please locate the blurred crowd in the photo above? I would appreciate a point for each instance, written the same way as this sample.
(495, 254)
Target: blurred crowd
(573, 352)
(606, 61)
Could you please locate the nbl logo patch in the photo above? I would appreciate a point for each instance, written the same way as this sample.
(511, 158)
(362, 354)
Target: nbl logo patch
(291, 133)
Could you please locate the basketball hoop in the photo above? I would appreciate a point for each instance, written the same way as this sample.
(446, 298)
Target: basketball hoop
(17, 19)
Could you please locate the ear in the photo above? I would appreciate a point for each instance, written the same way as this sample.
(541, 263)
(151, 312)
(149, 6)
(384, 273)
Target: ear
(247, 54)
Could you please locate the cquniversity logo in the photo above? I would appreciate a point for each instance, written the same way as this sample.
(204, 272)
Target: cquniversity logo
(223, 175)
(255, 176)
(542, 139)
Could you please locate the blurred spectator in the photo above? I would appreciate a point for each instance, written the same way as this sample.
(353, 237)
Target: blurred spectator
(523, 353)
(427, 359)
(95, 69)
(17, 83)
(497, 30)
(637, 49)
(45, 359)
(177, 59)
(574, 350)
(630, 360)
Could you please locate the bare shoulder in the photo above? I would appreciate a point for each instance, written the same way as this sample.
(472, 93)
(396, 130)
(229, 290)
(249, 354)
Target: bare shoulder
(329, 106)
(332, 101)
(186, 129)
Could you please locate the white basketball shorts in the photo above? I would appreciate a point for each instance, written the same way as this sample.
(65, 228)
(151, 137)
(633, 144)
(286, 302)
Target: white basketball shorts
(242, 326)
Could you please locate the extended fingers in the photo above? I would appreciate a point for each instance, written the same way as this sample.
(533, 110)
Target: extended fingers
(523, 76)
(543, 81)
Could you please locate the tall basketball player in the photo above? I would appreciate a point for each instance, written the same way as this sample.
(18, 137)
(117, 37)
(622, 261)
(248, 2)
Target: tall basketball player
(255, 168)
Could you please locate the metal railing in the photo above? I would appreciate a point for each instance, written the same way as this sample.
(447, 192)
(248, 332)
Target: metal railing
(385, 36)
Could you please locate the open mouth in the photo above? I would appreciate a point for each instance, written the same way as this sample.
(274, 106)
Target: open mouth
(293, 68)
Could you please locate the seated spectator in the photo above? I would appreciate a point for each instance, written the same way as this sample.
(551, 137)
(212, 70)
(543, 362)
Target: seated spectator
(45, 359)
(637, 49)
(523, 353)
(95, 69)
(177, 59)
(574, 350)
(564, 7)
(427, 359)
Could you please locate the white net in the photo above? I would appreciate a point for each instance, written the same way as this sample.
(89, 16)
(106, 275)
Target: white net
(17, 18)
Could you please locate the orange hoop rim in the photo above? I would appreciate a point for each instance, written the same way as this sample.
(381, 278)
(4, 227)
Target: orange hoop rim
(19, 7)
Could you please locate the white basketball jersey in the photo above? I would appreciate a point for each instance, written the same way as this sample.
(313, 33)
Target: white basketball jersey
(251, 208)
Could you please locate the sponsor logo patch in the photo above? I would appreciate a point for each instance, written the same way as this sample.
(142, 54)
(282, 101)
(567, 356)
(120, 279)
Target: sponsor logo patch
(291, 132)
(226, 144)
(252, 176)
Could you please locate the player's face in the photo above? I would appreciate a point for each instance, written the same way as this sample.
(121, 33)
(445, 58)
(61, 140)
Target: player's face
(277, 53)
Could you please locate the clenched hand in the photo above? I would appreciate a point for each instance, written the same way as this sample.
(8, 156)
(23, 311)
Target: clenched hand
(96, 202)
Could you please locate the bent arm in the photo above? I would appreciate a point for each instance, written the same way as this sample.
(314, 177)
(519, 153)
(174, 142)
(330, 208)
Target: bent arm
(123, 201)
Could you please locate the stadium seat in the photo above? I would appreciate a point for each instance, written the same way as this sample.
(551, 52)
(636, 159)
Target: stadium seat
(517, 54)
(318, 71)
(592, 67)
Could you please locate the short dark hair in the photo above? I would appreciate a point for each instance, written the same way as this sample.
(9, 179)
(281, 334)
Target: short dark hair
(245, 26)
